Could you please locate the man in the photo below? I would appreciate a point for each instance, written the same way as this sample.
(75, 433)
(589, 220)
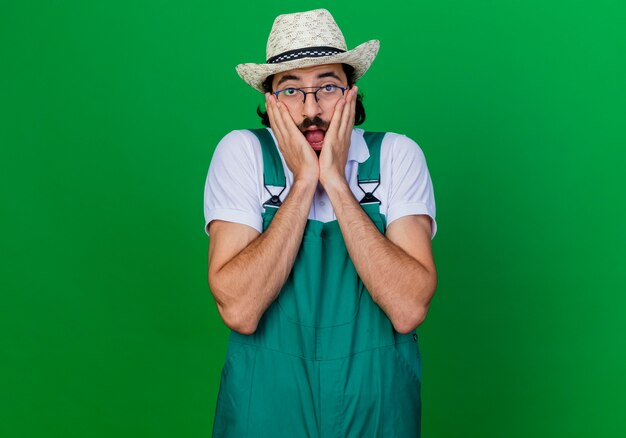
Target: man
(320, 258)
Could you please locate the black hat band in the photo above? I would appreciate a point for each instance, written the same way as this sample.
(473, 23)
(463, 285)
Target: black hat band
(308, 52)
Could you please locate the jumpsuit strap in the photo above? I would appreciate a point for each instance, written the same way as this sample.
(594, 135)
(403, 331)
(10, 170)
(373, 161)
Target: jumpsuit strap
(273, 172)
(369, 170)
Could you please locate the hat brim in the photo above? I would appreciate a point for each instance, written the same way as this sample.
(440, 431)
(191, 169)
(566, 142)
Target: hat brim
(360, 58)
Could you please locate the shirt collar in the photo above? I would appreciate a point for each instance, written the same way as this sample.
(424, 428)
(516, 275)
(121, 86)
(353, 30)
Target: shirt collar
(358, 151)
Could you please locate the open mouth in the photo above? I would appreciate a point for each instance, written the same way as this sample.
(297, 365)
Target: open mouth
(315, 138)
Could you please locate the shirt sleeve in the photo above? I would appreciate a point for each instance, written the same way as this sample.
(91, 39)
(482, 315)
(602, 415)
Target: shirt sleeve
(411, 185)
(231, 189)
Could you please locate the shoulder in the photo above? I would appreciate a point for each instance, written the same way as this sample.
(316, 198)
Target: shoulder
(237, 139)
(397, 148)
(400, 143)
(237, 146)
(232, 186)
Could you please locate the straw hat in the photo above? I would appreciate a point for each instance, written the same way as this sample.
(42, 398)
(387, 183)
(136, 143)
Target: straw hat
(305, 39)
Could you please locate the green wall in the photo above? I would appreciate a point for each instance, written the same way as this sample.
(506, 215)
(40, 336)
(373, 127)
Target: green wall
(110, 112)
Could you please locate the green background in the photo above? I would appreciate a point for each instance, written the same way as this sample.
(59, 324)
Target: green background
(110, 112)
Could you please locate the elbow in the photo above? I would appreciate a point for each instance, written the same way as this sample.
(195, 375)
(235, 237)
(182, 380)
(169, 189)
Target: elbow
(409, 320)
(232, 313)
(412, 316)
(234, 320)
(244, 328)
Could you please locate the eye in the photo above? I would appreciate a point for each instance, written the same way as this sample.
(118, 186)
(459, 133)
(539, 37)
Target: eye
(329, 88)
(289, 91)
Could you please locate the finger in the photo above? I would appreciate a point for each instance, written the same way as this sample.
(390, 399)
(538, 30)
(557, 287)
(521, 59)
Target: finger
(270, 110)
(271, 114)
(291, 128)
(285, 117)
(335, 121)
(277, 122)
(348, 113)
(345, 114)
(352, 113)
(282, 135)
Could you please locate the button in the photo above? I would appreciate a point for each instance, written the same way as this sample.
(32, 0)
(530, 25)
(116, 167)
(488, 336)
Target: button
(322, 203)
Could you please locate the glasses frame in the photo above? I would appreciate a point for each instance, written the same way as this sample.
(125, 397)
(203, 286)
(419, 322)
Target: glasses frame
(314, 93)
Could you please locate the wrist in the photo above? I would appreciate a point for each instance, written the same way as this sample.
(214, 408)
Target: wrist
(334, 183)
(305, 182)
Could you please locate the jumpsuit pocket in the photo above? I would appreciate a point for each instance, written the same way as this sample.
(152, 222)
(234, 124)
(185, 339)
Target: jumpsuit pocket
(233, 400)
(409, 356)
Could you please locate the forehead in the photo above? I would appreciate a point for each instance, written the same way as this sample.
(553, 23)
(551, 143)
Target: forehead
(309, 73)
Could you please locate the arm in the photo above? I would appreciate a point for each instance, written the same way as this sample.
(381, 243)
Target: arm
(398, 269)
(401, 277)
(248, 269)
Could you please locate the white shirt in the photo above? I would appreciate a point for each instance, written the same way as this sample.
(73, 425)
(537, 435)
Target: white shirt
(234, 188)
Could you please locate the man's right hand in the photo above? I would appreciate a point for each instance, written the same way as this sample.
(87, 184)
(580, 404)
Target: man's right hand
(298, 153)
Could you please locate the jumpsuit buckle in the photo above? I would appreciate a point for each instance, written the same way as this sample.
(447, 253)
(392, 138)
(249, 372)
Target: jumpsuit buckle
(274, 200)
(369, 197)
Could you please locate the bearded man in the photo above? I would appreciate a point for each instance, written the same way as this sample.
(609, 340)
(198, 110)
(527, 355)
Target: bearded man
(320, 258)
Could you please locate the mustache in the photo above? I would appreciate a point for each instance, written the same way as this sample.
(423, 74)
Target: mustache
(315, 121)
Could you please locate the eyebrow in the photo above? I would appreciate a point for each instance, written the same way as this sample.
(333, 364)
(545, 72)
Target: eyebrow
(287, 78)
(328, 74)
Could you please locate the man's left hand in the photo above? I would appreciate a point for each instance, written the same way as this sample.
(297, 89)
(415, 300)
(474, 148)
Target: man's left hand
(334, 155)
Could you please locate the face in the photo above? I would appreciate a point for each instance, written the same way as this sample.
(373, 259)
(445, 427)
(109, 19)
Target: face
(311, 117)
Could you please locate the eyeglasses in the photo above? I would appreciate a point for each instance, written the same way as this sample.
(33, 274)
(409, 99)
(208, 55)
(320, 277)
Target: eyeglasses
(323, 94)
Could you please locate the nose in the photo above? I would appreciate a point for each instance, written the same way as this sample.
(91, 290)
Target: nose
(311, 107)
